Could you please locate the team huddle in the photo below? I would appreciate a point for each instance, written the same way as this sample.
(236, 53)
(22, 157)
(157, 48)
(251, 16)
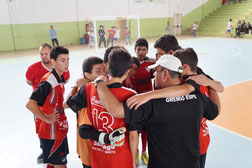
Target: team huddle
(167, 100)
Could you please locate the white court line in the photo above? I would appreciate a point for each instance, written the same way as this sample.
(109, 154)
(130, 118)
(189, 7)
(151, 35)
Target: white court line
(233, 55)
(232, 132)
(236, 54)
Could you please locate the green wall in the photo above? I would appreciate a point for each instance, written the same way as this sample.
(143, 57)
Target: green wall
(154, 27)
(199, 13)
(28, 36)
(6, 40)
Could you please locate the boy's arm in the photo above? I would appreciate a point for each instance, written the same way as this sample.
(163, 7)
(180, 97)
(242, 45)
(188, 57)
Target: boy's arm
(114, 138)
(133, 141)
(79, 84)
(213, 95)
(78, 100)
(29, 82)
(109, 101)
(205, 81)
(72, 92)
(173, 91)
(32, 105)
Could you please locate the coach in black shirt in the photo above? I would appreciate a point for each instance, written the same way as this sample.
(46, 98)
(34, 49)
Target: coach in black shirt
(173, 123)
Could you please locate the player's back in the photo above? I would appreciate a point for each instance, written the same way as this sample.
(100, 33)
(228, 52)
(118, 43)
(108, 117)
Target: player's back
(173, 126)
(102, 121)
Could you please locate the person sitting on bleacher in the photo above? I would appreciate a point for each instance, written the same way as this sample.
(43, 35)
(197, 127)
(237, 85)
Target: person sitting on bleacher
(238, 30)
(249, 28)
(242, 29)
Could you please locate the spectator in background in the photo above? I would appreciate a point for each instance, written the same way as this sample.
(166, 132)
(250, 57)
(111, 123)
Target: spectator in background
(91, 36)
(242, 29)
(194, 29)
(111, 35)
(117, 35)
(167, 28)
(229, 27)
(53, 35)
(127, 36)
(238, 29)
(102, 34)
(249, 28)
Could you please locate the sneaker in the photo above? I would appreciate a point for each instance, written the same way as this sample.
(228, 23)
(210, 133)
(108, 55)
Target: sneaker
(137, 159)
(145, 158)
(40, 159)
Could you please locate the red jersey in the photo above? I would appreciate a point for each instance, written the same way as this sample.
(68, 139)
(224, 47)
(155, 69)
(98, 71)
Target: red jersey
(49, 96)
(103, 155)
(143, 77)
(111, 33)
(129, 82)
(34, 74)
(204, 136)
(37, 70)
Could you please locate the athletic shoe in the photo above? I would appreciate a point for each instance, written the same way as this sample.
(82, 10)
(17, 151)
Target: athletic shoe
(137, 159)
(145, 158)
(40, 159)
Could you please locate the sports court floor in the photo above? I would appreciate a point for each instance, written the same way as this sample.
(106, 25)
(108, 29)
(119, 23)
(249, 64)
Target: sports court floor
(225, 60)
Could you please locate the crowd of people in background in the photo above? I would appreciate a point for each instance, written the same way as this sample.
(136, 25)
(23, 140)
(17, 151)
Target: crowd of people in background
(232, 1)
(241, 28)
(113, 34)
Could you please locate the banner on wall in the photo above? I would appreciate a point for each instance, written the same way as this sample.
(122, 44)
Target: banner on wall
(149, 1)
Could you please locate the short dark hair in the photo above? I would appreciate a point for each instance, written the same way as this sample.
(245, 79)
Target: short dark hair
(89, 62)
(57, 50)
(173, 74)
(45, 45)
(230, 20)
(167, 43)
(107, 51)
(134, 60)
(187, 56)
(142, 42)
(119, 62)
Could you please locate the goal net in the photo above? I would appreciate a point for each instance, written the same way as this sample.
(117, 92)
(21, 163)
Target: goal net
(106, 31)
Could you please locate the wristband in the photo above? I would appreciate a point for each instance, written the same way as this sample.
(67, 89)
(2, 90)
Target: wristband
(101, 138)
(98, 81)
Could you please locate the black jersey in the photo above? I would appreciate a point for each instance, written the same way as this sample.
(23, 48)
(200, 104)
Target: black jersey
(172, 126)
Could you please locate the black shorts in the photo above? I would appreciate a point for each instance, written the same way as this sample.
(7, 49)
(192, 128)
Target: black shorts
(57, 156)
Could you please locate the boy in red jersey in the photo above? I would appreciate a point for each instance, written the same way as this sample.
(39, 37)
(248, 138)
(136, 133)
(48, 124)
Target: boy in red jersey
(142, 83)
(92, 68)
(111, 34)
(102, 154)
(189, 61)
(167, 44)
(129, 81)
(36, 71)
(46, 103)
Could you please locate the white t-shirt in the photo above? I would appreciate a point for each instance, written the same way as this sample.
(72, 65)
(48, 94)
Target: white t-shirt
(194, 26)
(117, 34)
(229, 25)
